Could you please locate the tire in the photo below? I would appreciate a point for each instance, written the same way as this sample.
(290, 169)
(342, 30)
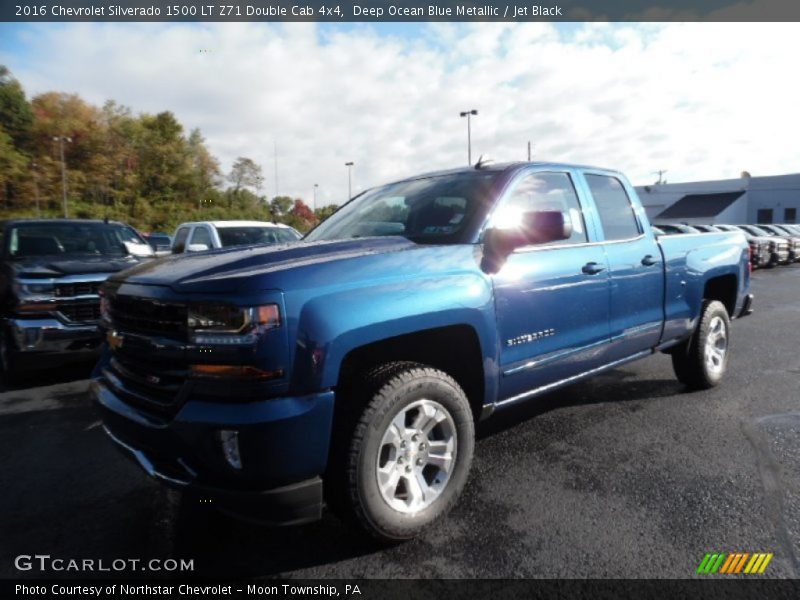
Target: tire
(700, 364)
(404, 460)
(9, 360)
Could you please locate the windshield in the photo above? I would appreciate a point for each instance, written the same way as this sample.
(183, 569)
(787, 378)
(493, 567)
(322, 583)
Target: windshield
(245, 236)
(70, 239)
(430, 210)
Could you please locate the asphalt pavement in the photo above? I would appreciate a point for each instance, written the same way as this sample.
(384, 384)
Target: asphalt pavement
(624, 475)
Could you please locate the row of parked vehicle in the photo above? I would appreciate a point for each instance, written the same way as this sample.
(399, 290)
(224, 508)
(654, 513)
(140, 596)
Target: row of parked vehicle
(211, 235)
(770, 244)
(51, 271)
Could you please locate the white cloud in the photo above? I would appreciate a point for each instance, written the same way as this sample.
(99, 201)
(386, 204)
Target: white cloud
(701, 100)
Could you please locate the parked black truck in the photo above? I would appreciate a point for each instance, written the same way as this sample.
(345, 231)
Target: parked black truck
(50, 272)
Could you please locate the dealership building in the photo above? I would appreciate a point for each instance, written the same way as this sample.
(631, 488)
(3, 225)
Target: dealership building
(774, 199)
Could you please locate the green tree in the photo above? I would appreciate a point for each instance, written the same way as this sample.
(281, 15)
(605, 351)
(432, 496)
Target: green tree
(163, 161)
(205, 171)
(280, 206)
(12, 166)
(324, 212)
(245, 173)
(16, 116)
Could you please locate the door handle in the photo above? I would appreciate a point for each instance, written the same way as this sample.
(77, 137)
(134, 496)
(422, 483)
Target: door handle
(592, 268)
(649, 261)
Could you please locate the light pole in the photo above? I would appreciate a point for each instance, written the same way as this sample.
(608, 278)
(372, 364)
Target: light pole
(349, 166)
(316, 185)
(61, 139)
(469, 114)
(34, 166)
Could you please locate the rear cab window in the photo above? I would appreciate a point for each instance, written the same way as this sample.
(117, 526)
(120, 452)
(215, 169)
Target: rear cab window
(614, 208)
(201, 235)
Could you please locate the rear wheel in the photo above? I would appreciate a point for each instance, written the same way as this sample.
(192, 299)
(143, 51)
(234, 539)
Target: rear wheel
(702, 361)
(409, 452)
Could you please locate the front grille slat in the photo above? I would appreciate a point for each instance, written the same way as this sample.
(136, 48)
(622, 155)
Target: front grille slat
(83, 288)
(155, 384)
(148, 316)
(86, 312)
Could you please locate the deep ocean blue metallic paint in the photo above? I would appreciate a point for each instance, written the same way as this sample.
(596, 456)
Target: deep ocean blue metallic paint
(338, 296)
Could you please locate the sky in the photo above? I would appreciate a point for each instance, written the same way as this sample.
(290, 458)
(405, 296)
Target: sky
(699, 100)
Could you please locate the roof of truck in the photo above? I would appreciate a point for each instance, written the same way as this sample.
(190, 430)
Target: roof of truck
(76, 221)
(223, 224)
(508, 166)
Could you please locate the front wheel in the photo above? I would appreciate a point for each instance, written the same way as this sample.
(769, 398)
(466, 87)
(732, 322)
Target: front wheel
(9, 363)
(410, 451)
(701, 362)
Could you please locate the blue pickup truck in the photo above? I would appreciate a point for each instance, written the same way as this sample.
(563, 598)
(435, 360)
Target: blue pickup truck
(350, 368)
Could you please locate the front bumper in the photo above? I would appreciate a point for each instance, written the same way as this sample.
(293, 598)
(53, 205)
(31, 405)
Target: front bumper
(283, 445)
(52, 336)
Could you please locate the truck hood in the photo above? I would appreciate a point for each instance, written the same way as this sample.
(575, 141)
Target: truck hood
(254, 267)
(55, 266)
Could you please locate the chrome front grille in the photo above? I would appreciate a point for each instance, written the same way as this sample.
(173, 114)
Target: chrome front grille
(83, 288)
(85, 312)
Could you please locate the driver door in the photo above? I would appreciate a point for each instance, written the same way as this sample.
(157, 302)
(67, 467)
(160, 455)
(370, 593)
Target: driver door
(552, 300)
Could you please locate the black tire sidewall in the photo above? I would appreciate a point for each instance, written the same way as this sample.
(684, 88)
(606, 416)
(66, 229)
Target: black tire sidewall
(388, 522)
(713, 309)
(8, 360)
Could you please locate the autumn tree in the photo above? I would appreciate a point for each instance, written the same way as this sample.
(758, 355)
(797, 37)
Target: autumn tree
(139, 168)
(301, 217)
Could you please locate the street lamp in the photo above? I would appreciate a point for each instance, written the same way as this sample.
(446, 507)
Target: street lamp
(61, 139)
(316, 185)
(469, 114)
(34, 166)
(349, 166)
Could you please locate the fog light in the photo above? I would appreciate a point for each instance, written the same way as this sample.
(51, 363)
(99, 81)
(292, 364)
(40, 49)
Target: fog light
(230, 447)
(28, 338)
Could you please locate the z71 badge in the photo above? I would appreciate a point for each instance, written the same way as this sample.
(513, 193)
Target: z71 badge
(526, 338)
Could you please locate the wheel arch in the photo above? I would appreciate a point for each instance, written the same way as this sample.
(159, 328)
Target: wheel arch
(453, 349)
(723, 288)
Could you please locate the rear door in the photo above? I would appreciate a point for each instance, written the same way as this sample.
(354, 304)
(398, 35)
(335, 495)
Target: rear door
(551, 300)
(635, 263)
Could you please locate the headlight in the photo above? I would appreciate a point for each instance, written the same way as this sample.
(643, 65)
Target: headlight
(221, 324)
(34, 289)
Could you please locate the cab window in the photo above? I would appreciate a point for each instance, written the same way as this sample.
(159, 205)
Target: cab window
(201, 236)
(613, 207)
(542, 192)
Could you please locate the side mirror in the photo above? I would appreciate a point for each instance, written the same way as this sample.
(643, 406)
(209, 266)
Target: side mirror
(139, 250)
(536, 227)
(545, 226)
(197, 247)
